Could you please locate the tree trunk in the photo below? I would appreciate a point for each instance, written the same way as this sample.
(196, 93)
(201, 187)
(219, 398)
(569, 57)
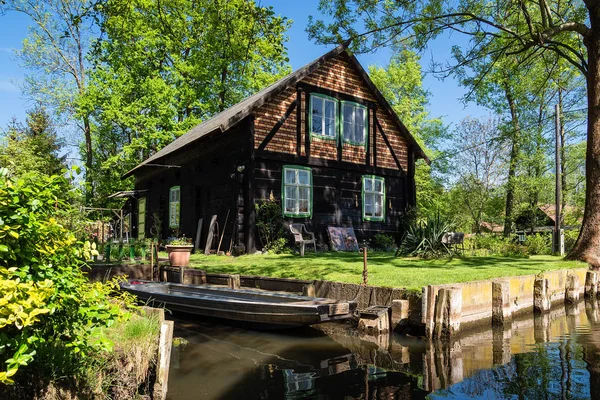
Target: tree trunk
(87, 131)
(512, 164)
(563, 170)
(588, 243)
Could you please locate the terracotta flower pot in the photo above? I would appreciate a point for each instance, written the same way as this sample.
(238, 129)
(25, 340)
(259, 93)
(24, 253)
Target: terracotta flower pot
(179, 254)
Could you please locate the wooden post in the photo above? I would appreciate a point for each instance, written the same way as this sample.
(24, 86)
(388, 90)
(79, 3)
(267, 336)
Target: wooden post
(234, 281)
(365, 274)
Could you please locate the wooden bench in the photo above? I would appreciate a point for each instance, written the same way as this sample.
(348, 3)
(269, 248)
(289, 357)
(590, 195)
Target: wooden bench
(300, 233)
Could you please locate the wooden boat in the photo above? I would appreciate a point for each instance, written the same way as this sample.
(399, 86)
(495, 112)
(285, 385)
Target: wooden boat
(247, 305)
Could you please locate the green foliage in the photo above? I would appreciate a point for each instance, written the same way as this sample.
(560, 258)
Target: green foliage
(181, 241)
(496, 245)
(269, 223)
(571, 236)
(34, 147)
(539, 244)
(424, 239)
(39, 256)
(382, 241)
(162, 67)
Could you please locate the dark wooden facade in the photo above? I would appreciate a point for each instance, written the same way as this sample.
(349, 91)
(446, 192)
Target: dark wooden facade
(227, 166)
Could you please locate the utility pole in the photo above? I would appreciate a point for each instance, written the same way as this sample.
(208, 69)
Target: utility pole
(557, 242)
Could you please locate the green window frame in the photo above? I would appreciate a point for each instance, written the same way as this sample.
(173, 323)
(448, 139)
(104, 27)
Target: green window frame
(174, 206)
(296, 191)
(141, 218)
(373, 198)
(323, 121)
(354, 122)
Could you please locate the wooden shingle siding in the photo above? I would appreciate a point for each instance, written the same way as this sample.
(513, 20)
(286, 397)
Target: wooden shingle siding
(338, 75)
(398, 142)
(323, 148)
(354, 154)
(267, 117)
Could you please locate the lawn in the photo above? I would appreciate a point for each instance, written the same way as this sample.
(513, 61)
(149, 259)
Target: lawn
(384, 268)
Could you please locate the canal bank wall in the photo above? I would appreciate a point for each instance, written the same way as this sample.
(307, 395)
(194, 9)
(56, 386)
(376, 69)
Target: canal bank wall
(439, 310)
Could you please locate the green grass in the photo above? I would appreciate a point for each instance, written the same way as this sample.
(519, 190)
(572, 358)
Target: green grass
(384, 268)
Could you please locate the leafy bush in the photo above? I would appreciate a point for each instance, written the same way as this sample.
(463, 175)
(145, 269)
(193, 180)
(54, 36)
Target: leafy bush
(269, 222)
(41, 262)
(570, 239)
(539, 243)
(424, 239)
(496, 245)
(382, 241)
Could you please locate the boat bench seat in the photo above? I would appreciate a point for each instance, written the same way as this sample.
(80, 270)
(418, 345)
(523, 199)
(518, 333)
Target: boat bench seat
(303, 237)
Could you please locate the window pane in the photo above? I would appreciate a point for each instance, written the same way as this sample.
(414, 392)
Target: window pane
(348, 131)
(290, 205)
(303, 206)
(290, 176)
(368, 184)
(378, 186)
(359, 116)
(317, 106)
(329, 127)
(359, 134)
(378, 205)
(317, 125)
(290, 192)
(347, 113)
(303, 177)
(359, 127)
(329, 109)
(303, 193)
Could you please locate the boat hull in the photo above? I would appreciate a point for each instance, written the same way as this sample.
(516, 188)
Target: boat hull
(244, 305)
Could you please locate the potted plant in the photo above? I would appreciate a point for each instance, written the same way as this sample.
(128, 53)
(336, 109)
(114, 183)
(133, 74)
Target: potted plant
(179, 250)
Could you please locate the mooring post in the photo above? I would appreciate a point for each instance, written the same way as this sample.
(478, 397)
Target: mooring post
(541, 295)
(399, 314)
(572, 288)
(501, 312)
(591, 283)
(365, 273)
(234, 281)
(308, 290)
(448, 312)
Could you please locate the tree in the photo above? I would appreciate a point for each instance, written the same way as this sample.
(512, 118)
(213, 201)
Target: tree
(401, 83)
(480, 153)
(55, 51)
(499, 30)
(34, 147)
(162, 67)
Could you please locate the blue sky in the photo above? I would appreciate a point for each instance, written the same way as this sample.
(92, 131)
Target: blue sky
(445, 94)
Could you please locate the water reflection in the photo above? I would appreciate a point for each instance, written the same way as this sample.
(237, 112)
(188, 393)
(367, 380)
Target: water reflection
(551, 356)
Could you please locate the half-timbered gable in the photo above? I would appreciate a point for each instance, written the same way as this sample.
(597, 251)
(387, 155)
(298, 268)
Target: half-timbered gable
(322, 141)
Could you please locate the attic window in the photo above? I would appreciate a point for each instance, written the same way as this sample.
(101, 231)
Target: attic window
(323, 110)
(354, 123)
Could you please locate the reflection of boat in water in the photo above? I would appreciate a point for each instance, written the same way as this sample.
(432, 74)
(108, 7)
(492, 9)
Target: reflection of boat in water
(246, 305)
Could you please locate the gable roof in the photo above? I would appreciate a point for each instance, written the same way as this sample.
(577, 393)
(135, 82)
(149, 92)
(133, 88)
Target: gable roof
(234, 114)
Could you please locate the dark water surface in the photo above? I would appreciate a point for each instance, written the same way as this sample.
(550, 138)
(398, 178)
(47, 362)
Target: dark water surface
(555, 356)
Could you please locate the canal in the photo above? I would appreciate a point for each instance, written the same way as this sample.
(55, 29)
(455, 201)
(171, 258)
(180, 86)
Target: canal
(552, 356)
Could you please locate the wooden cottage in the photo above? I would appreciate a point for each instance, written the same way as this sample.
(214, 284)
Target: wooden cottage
(323, 141)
